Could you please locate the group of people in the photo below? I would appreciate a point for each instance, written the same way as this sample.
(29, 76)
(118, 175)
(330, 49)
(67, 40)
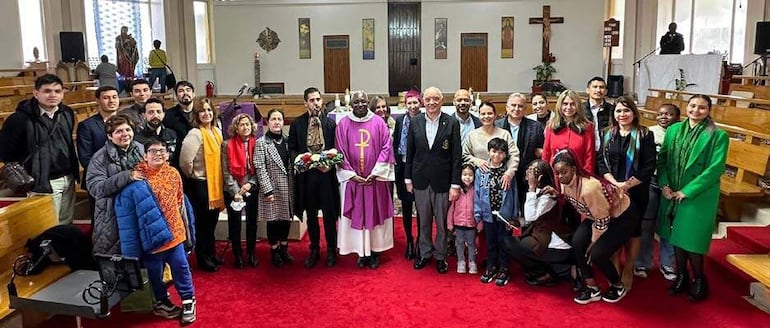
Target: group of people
(581, 183)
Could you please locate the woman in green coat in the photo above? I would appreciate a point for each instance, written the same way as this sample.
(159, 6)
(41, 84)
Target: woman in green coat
(690, 164)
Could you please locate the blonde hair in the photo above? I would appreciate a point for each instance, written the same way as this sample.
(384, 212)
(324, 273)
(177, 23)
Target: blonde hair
(578, 122)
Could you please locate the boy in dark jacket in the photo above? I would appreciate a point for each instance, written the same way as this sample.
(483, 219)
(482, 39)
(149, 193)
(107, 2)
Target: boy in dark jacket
(156, 224)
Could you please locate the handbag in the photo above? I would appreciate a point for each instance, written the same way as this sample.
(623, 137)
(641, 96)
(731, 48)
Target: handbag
(16, 177)
(170, 81)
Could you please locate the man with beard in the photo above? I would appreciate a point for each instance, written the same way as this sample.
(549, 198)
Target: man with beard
(468, 122)
(365, 175)
(178, 117)
(140, 91)
(90, 133)
(153, 115)
(597, 110)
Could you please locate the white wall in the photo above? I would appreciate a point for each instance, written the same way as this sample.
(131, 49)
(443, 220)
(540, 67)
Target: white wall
(238, 27)
(576, 43)
(11, 52)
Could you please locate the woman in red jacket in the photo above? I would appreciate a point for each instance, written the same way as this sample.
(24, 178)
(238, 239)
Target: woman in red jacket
(568, 128)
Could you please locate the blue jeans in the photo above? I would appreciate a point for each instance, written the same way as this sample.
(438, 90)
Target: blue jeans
(158, 73)
(495, 233)
(647, 237)
(180, 272)
(464, 238)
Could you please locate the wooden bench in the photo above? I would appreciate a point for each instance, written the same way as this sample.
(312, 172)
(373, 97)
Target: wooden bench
(758, 267)
(758, 85)
(20, 221)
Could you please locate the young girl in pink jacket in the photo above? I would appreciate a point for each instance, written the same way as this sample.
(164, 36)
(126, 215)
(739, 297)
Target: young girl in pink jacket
(461, 222)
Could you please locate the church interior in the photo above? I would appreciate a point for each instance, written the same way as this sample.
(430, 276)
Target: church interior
(267, 52)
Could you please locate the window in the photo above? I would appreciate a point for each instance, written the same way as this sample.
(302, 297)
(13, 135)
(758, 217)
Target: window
(202, 35)
(707, 25)
(31, 18)
(105, 18)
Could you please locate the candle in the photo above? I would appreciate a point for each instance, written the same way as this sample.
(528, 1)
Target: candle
(347, 100)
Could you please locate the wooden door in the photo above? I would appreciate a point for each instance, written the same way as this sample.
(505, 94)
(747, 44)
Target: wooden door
(336, 63)
(403, 47)
(473, 61)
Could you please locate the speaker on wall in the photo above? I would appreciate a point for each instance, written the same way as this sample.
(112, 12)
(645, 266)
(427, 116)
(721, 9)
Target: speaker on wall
(762, 38)
(615, 86)
(73, 46)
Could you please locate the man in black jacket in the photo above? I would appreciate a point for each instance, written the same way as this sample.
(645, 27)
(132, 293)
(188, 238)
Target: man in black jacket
(177, 118)
(671, 43)
(153, 115)
(140, 92)
(597, 109)
(39, 135)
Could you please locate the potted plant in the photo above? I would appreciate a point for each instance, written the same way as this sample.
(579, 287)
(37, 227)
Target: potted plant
(543, 73)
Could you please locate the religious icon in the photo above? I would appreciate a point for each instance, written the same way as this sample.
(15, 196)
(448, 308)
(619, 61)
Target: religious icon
(367, 34)
(440, 38)
(128, 55)
(506, 34)
(268, 40)
(304, 38)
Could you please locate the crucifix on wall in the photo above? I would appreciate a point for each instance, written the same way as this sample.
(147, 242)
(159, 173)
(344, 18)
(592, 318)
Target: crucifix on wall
(546, 21)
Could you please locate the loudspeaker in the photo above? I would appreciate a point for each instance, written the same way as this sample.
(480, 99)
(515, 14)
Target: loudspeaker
(73, 46)
(615, 86)
(762, 38)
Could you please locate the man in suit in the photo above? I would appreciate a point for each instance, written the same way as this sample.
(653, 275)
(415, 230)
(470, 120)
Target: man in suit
(413, 101)
(317, 188)
(671, 43)
(468, 122)
(432, 173)
(529, 138)
(91, 135)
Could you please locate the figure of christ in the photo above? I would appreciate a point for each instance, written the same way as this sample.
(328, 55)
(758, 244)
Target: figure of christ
(546, 21)
(365, 175)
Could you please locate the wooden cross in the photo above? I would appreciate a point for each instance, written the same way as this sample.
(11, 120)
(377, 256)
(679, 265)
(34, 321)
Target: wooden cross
(546, 20)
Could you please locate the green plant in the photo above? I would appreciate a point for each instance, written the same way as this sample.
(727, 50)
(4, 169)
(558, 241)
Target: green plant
(543, 72)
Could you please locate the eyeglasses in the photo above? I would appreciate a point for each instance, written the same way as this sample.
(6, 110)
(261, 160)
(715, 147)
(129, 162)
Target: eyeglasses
(161, 151)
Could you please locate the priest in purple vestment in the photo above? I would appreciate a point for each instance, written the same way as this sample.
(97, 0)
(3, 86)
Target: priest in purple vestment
(365, 176)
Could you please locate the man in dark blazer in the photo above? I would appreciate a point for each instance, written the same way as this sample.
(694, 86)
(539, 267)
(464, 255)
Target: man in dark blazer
(433, 174)
(317, 188)
(468, 122)
(177, 118)
(597, 109)
(529, 138)
(91, 135)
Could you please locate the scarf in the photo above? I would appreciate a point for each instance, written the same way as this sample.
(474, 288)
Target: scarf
(212, 144)
(682, 150)
(166, 185)
(239, 158)
(632, 161)
(315, 135)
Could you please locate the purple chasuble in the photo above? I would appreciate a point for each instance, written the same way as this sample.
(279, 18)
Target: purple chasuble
(364, 145)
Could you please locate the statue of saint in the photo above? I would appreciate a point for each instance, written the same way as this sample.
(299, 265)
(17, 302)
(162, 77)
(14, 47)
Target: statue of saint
(128, 55)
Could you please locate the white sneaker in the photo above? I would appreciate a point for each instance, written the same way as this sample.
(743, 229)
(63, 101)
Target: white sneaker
(461, 267)
(472, 269)
(668, 272)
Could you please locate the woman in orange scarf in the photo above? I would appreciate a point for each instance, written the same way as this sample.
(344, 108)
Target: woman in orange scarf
(241, 185)
(201, 163)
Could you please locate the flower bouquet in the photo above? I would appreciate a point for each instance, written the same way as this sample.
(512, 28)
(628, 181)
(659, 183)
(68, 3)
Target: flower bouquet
(326, 158)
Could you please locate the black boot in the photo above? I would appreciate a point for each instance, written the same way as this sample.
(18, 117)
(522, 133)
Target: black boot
(331, 257)
(238, 261)
(699, 290)
(275, 257)
(253, 259)
(409, 255)
(284, 252)
(374, 261)
(680, 285)
(312, 259)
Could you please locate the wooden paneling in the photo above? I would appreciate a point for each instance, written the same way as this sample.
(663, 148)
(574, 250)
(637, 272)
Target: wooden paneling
(336, 63)
(473, 61)
(403, 47)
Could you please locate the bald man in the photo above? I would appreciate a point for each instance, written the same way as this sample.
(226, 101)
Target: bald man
(433, 174)
(468, 122)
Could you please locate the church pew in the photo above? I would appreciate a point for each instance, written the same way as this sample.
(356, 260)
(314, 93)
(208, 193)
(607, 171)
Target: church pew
(19, 221)
(756, 266)
(748, 161)
(748, 83)
(723, 109)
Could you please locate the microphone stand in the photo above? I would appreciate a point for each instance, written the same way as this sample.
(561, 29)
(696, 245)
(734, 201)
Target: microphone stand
(647, 55)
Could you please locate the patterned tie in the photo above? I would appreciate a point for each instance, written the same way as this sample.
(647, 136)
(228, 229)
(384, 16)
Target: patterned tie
(404, 130)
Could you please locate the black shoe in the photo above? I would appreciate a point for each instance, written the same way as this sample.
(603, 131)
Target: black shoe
(275, 257)
(208, 265)
(238, 262)
(362, 262)
(374, 261)
(614, 294)
(218, 260)
(488, 275)
(253, 262)
(588, 294)
(420, 263)
(283, 250)
(680, 285)
(543, 280)
(699, 290)
(409, 251)
(312, 259)
(502, 277)
(331, 258)
(442, 267)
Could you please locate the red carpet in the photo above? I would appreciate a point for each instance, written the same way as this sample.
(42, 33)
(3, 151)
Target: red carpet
(395, 295)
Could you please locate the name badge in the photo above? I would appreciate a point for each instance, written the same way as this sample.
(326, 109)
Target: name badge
(445, 144)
